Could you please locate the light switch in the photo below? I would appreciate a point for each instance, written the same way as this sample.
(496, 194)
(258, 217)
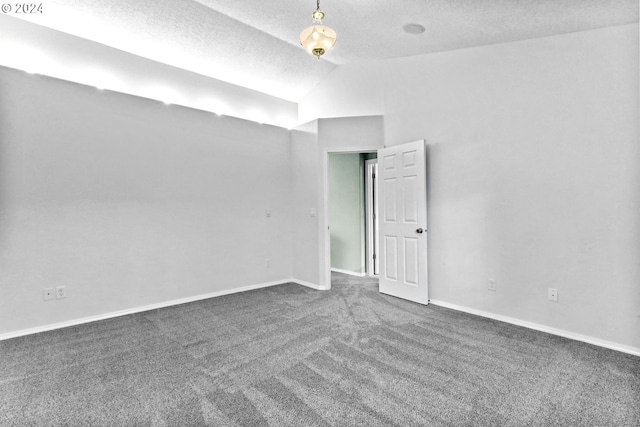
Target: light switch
(313, 212)
(267, 213)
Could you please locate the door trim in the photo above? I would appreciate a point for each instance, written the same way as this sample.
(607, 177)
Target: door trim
(371, 216)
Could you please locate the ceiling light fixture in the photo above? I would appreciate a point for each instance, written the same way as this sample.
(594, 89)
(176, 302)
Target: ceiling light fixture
(318, 39)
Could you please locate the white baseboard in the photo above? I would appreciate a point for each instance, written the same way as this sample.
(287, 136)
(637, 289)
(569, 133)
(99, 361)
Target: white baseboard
(308, 284)
(566, 334)
(134, 310)
(349, 272)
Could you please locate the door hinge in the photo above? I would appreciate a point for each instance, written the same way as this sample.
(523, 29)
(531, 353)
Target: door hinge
(375, 256)
(373, 175)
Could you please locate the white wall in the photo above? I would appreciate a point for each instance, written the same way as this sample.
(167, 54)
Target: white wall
(24, 45)
(305, 234)
(358, 85)
(533, 174)
(128, 202)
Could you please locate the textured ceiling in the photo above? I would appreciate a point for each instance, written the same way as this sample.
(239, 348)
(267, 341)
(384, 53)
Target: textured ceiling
(256, 45)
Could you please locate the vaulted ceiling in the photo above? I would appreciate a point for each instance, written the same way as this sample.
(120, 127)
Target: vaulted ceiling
(255, 44)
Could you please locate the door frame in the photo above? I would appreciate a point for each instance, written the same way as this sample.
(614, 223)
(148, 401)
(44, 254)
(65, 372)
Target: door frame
(372, 245)
(325, 236)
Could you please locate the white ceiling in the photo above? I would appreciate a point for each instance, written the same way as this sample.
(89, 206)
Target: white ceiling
(255, 44)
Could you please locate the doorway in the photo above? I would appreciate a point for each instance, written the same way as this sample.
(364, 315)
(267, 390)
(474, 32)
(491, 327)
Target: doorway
(352, 221)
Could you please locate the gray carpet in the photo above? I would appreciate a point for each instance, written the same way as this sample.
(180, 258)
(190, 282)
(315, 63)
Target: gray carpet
(292, 356)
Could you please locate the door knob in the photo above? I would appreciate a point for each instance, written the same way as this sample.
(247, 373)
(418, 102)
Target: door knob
(419, 231)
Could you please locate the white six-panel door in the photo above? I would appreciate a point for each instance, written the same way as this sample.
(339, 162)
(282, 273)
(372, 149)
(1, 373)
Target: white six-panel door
(402, 187)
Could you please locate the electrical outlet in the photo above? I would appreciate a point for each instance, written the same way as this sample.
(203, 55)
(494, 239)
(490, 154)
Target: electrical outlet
(61, 292)
(267, 213)
(552, 294)
(492, 284)
(267, 263)
(47, 294)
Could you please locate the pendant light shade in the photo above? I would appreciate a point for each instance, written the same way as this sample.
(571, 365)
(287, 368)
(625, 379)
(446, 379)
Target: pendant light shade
(318, 39)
